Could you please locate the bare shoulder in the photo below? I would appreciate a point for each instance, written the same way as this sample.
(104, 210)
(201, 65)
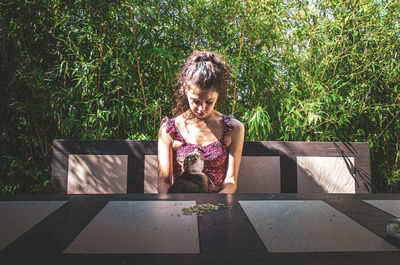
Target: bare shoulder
(163, 129)
(237, 136)
(238, 128)
(180, 121)
(163, 135)
(237, 124)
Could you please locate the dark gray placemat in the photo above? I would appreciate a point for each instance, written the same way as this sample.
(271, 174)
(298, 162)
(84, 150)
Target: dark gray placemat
(140, 227)
(17, 217)
(390, 206)
(309, 226)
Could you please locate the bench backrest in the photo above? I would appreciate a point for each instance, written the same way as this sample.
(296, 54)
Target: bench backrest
(129, 166)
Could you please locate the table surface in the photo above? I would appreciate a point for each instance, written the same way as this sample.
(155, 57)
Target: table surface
(226, 236)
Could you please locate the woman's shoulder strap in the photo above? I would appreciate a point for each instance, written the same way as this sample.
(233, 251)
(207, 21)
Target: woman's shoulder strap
(228, 125)
(171, 129)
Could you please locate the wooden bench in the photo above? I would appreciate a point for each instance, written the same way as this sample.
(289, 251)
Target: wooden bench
(129, 166)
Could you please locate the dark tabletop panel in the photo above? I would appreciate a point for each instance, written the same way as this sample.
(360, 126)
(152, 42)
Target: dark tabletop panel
(226, 236)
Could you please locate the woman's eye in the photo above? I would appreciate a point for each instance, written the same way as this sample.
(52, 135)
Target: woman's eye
(209, 102)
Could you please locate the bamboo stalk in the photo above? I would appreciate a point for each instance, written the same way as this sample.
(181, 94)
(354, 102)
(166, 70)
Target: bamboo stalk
(138, 68)
(100, 63)
(341, 46)
(194, 28)
(387, 126)
(140, 79)
(154, 122)
(141, 85)
(240, 52)
(40, 142)
(46, 145)
(65, 74)
(117, 58)
(194, 34)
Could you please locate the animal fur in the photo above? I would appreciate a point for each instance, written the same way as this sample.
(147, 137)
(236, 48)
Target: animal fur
(192, 180)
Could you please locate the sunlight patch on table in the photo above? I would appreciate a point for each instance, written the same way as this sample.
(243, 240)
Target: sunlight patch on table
(140, 227)
(309, 226)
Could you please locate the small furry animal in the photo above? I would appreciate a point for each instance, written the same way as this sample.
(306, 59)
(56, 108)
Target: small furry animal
(192, 180)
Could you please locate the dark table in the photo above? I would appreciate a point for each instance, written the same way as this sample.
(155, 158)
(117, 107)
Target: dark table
(225, 236)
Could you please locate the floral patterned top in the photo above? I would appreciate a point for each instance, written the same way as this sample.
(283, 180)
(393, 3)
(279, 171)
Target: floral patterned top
(215, 154)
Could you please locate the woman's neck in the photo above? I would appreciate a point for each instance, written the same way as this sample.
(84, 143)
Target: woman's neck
(188, 115)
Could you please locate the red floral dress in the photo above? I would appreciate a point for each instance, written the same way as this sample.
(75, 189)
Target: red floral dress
(215, 154)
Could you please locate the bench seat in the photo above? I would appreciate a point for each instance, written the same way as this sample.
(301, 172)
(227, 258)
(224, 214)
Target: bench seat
(130, 166)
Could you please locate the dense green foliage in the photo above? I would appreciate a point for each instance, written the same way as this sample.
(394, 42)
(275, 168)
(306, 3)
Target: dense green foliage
(302, 70)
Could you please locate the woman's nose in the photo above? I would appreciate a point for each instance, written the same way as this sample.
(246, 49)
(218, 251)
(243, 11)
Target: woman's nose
(201, 107)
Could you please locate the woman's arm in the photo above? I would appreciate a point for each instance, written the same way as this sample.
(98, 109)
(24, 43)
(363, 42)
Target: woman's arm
(235, 155)
(164, 160)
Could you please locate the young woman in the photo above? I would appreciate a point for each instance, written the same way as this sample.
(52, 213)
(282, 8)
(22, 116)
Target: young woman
(202, 82)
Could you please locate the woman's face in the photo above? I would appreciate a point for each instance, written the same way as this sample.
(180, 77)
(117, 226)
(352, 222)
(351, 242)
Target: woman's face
(201, 102)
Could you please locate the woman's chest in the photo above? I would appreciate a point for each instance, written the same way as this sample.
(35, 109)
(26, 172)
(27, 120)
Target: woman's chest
(203, 138)
(200, 135)
(214, 154)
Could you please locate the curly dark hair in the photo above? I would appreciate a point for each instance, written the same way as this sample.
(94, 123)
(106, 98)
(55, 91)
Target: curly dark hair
(206, 70)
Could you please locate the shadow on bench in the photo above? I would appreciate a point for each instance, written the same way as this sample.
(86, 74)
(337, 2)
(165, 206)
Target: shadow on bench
(127, 166)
